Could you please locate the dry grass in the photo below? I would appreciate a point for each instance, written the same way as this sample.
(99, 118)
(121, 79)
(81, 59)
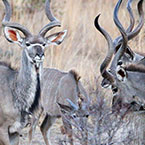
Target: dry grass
(84, 47)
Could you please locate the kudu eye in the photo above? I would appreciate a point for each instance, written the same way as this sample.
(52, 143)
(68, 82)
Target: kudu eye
(74, 116)
(27, 44)
(87, 116)
(119, 62)
(44, 44)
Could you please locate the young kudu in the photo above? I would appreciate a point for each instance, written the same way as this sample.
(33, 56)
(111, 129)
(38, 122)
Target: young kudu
(20, 89)
(60, 94)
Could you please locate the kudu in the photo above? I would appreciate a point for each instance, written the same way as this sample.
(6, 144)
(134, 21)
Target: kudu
(20, 89)
(129, 55)
(126, 95)
(129, 93)
(61, 92)
(128, 90)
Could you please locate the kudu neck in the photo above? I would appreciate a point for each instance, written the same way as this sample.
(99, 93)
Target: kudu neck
(27, 85)
(28, 70)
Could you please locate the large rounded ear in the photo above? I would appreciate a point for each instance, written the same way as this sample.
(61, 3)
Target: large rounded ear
(65, 109)
(12, 35)
(56, 38)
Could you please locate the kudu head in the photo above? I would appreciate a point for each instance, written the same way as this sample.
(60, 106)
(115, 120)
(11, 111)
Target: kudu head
(128, 55)
(33, 45)
(76, 114)
(124, 84)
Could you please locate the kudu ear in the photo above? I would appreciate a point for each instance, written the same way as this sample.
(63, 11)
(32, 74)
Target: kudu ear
(130, 53)
(56, 38)
(12, 35)
(64, 108)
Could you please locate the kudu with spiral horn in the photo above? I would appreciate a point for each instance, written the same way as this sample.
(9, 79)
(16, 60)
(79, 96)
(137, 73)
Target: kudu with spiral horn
(128, 92)
(129, 54)
(20, 89)
(126, 84)
(105, 73)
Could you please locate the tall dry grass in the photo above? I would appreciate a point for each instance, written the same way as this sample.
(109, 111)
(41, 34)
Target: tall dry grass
(84, 47)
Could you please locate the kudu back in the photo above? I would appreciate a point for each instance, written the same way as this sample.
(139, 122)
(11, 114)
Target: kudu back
(59, 87)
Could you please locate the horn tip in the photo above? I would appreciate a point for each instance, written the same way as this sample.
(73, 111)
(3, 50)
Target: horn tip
(96, 21)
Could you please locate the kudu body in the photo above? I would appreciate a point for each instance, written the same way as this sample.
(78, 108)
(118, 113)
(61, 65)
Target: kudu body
(57, 88)
(20, 89)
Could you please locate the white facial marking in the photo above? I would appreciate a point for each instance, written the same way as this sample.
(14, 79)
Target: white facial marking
(37, 58)
(37, 64)
(35, 44)
(120, 78)
(106, 86)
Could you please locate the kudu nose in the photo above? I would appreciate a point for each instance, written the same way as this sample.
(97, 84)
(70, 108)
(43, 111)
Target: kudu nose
(39, 51)
(40, 54)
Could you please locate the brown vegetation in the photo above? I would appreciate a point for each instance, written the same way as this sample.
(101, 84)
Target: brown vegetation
(84, 47)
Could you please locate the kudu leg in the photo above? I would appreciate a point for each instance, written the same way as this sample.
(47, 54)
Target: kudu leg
(68, 130)
(45, 127)
(32, 130)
